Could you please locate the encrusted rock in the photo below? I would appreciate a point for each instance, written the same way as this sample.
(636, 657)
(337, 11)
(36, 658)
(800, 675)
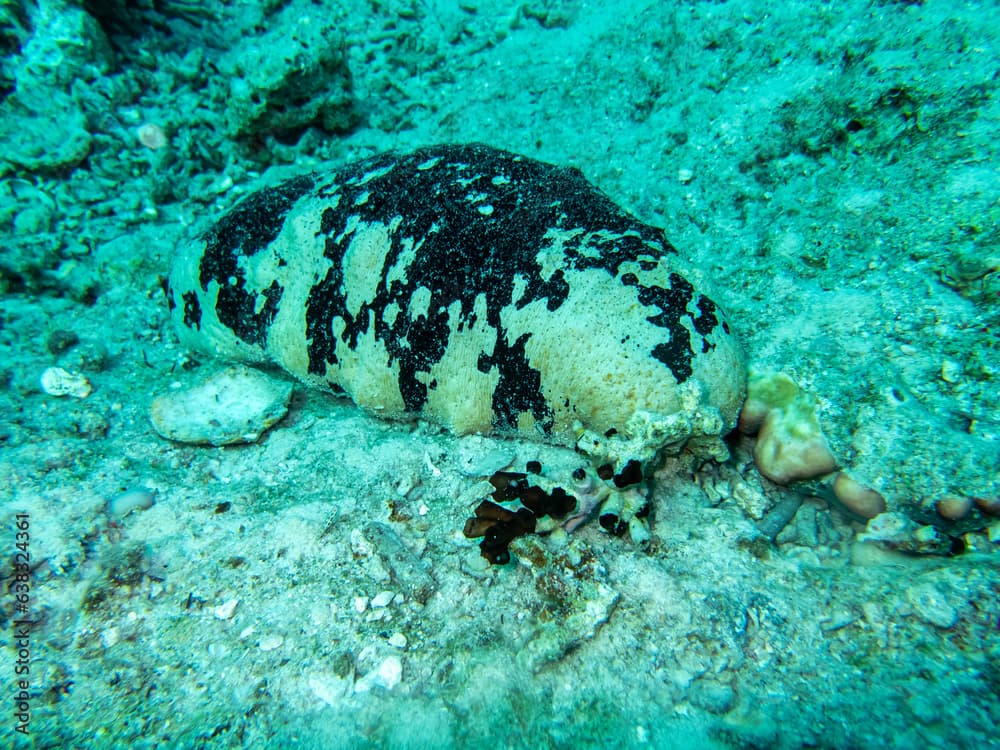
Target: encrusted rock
(233, 406)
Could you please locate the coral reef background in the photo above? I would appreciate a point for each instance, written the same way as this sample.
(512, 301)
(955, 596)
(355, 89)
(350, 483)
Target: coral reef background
(832, 169)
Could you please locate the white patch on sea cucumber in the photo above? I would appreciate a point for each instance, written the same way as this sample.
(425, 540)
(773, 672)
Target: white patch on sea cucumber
(420, 303)
(463, 395)
(390, 313)
(363, 262)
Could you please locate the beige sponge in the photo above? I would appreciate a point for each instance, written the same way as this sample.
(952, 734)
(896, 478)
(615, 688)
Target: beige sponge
(790, 443)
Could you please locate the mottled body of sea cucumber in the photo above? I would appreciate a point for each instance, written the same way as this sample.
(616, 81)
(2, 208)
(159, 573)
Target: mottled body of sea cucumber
(468, 286)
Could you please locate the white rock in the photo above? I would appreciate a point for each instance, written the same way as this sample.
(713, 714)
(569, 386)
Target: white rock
(390, 672)
(110, 636)
(233, 406)
(397, 640)
(226, 610)
(56, 381)
(137, 498)
(382, 599)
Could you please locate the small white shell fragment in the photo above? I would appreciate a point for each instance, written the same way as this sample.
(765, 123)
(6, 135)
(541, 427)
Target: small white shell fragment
(56, 381)
(136, 498)
(382, 599)
(397, 640)
(233, 406)
(684, 176)
(226, 610)
(152, 136)
(270, 642)
(360, 604)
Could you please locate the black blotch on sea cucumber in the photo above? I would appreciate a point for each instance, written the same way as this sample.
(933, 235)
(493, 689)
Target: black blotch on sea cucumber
(478, 217)
(464, 252)
(246, 230)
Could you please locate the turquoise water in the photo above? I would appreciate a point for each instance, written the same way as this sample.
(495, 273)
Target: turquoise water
(298, 576)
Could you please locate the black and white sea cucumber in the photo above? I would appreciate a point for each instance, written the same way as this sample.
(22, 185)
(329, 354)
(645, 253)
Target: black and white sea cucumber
(471, 287)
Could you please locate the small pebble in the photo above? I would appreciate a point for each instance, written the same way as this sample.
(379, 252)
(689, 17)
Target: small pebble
(838, 620)
(714, 697)
(479, 456)
(951, 372)
(989, 505)
(858, 498)
(397, 640)
(328, 688)
(137, 498)
(110, 636)
(226, 610)
(382, 599)
(152, 136)
(390, 672)
(56, 381)
(954, 507)
(387, 675)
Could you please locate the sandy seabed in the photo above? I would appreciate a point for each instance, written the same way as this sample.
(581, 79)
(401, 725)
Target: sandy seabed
(829, 169)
